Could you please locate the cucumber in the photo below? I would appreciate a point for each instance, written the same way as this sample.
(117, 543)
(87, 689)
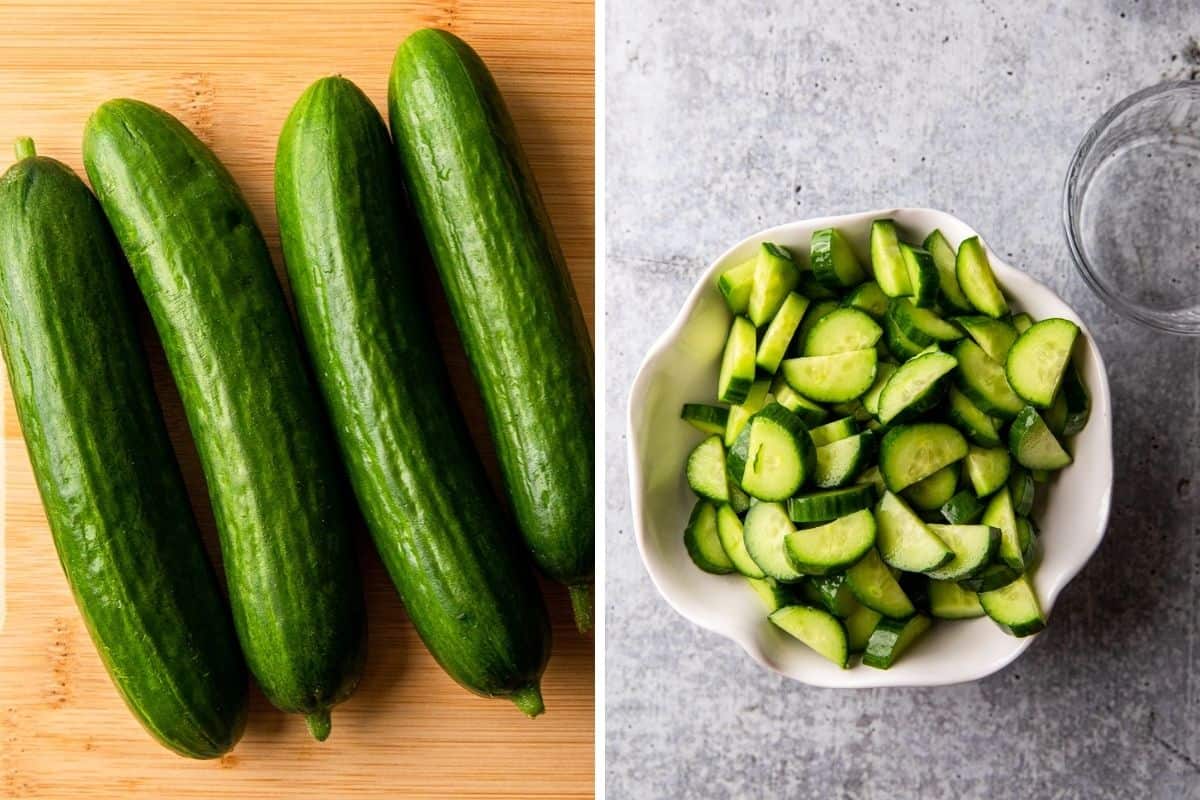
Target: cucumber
(841, 331)
(773, 594)
(920, 326)
(973, 548)
(1022, 487)
(949, 294)
(995, 336)
(112, 490)
(883, 373)
(265, 447)
(1056, 415)
(912, 452)
(922, 275)
(766, 528)
(915, 387)
(816, 312)
(833, 261)
(1078, 401)
(987, 469)
(999, 514)
(420, 484)
(978, 426)
(1022, 322)
(875, 587)
(983, 381)
(813, 289)
(963, 508)
(1033, 444)
(779, 333)
(816, 628)
(706, 419)
(830, 504)
(733, 542)
(740, 413)
(1038, 360)
(933, 492)
(773, 455)
(859, 627)
(809, 412)
(737, 362)
(897, 342)
(735, 284)
(509, 293)
(887, 262)
(831, 547)
(1014, 608)
(832, 593)
(948, 600)
(840, 462)
(832, 379)
(868, 297)
(904, 541)
(891, 638)
(991, 577)
(703, 542)
(975, 278)
(775, 276)
(706, 471)
(842, 428)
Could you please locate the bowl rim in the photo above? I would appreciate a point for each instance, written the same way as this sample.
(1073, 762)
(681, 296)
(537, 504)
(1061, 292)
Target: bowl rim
(1008, 274)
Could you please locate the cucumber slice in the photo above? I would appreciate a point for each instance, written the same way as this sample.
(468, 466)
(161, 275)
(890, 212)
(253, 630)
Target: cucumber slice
(912, 452)
(1032, 443)
(915, 387)
(978, 426)
(904, 541)
(898, 344)
(1014, 608)
(949, 293)
(832, 504)
(930, 494)
(891, 638)
(732, 538)
(737, 363)
(773, 594)
(735, 284)
(921, 326)
(739, 501)
(1022, 322)
(706, 419)
(809, 412)
(948, 600)
(775, 275)
(818, 629)
(883, 373)
(773, 455)
(778, 336)
(1022, 487)
(1027, 538)
(841, 331)
(995, 336)
(875, 587)
(886, 260)
(999, 514)
(975, 278)
(831, 593)
(963, 508)
(859, 627)
(987, 469)
(706, 470)
(833, 261)
(813, 289)
(740, 413)
(1079, 402)
(767, 525)
(1056, 415)
(816, 312)
(832, 431)
(991, 577)
(922, 274)
(702, 543)
(834, 378)
(983, 381)
(1038, 359)
(872, 478)
(831, 547)
(869, 298)
(839, 462)
(973, 547)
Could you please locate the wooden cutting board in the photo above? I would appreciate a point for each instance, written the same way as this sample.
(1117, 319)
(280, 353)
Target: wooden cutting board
(231, 70)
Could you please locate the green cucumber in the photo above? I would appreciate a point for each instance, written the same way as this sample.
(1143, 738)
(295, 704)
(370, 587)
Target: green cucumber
(933, 492)
(779, 333)
(830, 504)
(1015, 607)
(421, 486)
(1022, 487)
(922, 275)
(112, 490)
(887, 262)
(1078, 401)
(840, 462)
(909, 453)
(773, 455)
(816, 312)
(833, 261)
(834, 378)
(735, 284)
(737, 362)
(264, 443)
(832, 593)
(704, 418)
(765, 533)
(891, 638)
(868, 297)
(995, 336)
(1000, 514)
(948, 600)
(740, 413)
(875, 587)
(976, 279)
(904, 541)
(883, 373)
(775, 276)
(733, 542)
(859, 627)
(833, 546)
(771, 593)
(1033, 444)
(949, 293)
(509, 293)
(973, 546)
(816, 628)
(809, 412)
(1038, 360)
(978, 426)
(987, 469)
(707, 472)
(842, 428)
(991, 577)
(963, 508)
(1022, 322)
(915, 387)
(703, 541)
(920, 326)
(983, 381)
(841, 331)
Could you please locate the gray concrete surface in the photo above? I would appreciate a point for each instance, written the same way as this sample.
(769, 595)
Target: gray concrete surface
(725, 117)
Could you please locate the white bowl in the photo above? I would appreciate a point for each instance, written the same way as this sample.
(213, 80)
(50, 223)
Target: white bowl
(682, 367)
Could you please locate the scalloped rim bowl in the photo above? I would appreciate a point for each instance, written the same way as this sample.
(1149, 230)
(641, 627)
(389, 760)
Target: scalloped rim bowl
(682, 367)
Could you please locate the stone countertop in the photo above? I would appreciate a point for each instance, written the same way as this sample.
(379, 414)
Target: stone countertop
(725, 117)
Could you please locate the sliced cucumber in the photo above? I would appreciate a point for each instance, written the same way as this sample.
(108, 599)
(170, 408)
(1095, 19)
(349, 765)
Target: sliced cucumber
(1022, 322)
(887, 262)
(706, 419)
(702, 543)
(1038, 359)
(898, 344)
(818, 629)
(832, 379)
(816, 312)
(872, 478)
(732, 538)
(948, 600)
(809, 412)
(991, 577)
(1079, 402)
(859, 627)
(838, 463)
(963, 508)
(987, 469)
(773, 594)
(922, 275)
(1027, 537)
(995, 336)
(975, 278)
(740, 413)
(875, 587)
(1032, 443)
(921, 326)
(868, 297)
(1014, 607)
(813, 289)
(773, 455)
(739, 501)
(983, 381)
(833, 261)
(891, 638)
(706, 470)
(904, 541)
(832, 431)
(737, 363)
(775, 275)
(1022, 487)
(883, 373)
(832, 593)
(767, 525)
(973, 546)
(930, 494)
(949, 294)
(978, 426)
(915, 387)
(1056, 415)
(999, 514)
(775, 341)
(831, 504)
(831, 547)
(841, 331)
(735, 284)
(912, 452)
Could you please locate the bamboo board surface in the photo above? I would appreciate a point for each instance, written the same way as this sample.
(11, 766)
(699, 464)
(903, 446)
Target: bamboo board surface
(231, 70)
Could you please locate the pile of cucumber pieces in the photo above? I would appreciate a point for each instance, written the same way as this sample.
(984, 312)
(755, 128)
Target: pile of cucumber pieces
(883, 433)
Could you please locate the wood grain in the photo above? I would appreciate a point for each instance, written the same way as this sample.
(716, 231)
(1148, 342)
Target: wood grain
(231, 70)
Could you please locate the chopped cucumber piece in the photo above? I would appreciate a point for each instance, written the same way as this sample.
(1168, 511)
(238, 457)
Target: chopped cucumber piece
(842, 331)
(706, 419)
(831, 504)
(1032, 443)
(766, 527)
(887, 262)
(1038, 359)
(930, 494)
(832, 431)
(775, 341)
(875, 587)
(912, 452)
(949, 294)
(832, 593)
(995, 336)
(921, 326)
(834, 378)
(1027, 538)
(973, 546)
(1022, 487)
(872, 478)
(840, 462)
(898, 343)
(773, 455)
(915, 387)
(809, 412)
(891, 638)
(963, 508)
(1022, 322)
(831, 547)
(816, 312)
(739, 501)
(732, 538)
(976, 279)
(735, 284)
(740, 413)
(987, 469)
(993, 576)
(978, 426)
(833, 261)
(1056, 415)
(922, 274)
(999, 514)
(1079, 402)
(813, 289)
(859, 627)
(775, 275)
(868, 297)
(904, 541)
(883, 373)
(702, 543)
(1015, 607)
(948, 600)
(984, 382)
(737, 363)
(773, 594)
(706, 470)
(818, 629)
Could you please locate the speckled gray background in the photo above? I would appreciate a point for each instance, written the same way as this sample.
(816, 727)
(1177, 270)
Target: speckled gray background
(725, 117)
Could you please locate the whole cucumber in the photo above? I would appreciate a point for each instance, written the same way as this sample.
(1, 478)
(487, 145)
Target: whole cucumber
(112, 490)
(456, 563)
(510, 294)
(263, 441)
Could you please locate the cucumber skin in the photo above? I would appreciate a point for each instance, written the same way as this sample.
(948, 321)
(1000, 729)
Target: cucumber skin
(112, 490)
(509, 292)
(457, 564)
(264, 444)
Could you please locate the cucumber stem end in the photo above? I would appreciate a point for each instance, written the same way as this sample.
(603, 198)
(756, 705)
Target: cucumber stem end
(24, 148)
(581, 604)
(529, 700)
(319, 724)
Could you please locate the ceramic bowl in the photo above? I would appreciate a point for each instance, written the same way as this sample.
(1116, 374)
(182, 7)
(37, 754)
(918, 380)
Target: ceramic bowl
(682, 367)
